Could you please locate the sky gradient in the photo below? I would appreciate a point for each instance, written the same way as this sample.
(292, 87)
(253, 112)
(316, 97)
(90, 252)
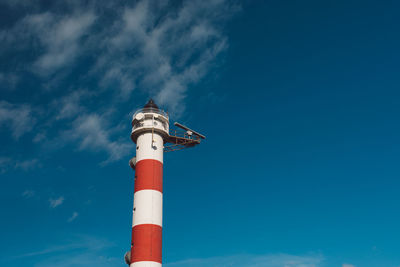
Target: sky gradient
(299, 101)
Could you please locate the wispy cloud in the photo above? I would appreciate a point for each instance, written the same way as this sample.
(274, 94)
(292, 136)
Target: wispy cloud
(81, 250)
(348, 265)
(269, 260)
(92, 132)
(83, 259)
(111, 49)
(8, 163)
(8, 81)
(73, 216)
(4, 164)
(28, 193)
(60, 37)
(89, 251)
(73, 242)
(18, 117)
(160, 47)
(69, 106)
(171, 48)
(17, 3)
(27, 164)
(55, 202)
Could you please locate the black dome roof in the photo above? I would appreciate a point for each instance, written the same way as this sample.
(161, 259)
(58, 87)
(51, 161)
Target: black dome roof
(151, 104)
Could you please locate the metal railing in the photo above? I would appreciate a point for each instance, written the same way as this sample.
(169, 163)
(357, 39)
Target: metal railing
(179, 140)
(152, 110)
(156, 124)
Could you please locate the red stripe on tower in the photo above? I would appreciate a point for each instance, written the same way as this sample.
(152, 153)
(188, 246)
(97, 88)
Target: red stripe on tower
(147, 239)
(149, 174)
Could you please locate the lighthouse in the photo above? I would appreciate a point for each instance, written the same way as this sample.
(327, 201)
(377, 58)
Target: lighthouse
(150, 133)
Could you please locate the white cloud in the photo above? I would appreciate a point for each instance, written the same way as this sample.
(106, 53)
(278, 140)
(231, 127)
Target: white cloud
(73, 216)
(39, 137)
(8, 163)
(91, 251)
(156, 46)
(82, 251)
(160, 47)
(60, 36)
(8, 81)
(81, 259)
(28, 193)
(269, 260)
(163, 50)
(93, 133)
(4, 164)
(69, 106)
(27, 164)
(18, 117)
(56, 39)
(348, 265)
(55, 202)
(18, 3)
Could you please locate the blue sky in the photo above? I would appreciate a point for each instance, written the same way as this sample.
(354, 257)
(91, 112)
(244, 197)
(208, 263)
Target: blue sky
(299, 101)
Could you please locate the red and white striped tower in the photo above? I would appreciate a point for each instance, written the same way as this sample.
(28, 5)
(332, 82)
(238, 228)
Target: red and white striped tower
(150, 126)
(150, 131)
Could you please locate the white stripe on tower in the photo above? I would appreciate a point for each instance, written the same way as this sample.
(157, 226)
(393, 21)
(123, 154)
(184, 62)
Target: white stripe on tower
(146, 264)
(145, 149)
